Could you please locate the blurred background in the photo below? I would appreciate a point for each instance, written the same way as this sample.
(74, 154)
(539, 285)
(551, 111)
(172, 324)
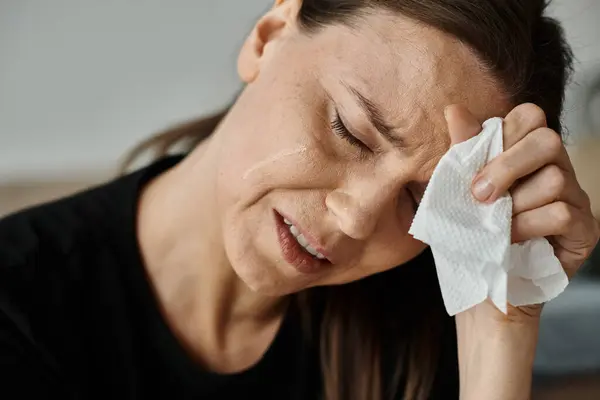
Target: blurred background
(82, 81)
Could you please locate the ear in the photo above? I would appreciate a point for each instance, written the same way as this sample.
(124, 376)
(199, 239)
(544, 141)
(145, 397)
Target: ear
(271, 27)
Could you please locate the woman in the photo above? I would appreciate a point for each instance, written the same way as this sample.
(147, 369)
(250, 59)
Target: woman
(262, 263)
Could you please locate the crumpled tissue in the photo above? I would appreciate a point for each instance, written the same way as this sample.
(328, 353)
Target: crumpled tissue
(471, 241)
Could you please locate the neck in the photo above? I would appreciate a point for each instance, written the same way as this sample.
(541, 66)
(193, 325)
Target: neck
(206, 304)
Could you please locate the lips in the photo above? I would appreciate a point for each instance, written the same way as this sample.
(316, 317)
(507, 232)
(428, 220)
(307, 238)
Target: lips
(303, 241)
(298, 248)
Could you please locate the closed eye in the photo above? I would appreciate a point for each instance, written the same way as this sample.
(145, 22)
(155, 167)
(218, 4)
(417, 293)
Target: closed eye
(340, 129)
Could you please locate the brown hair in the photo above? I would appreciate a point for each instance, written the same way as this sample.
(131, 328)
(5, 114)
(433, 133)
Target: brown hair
(385, 331)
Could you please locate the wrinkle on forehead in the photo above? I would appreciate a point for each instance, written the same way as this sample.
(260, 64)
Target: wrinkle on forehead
(389, 55)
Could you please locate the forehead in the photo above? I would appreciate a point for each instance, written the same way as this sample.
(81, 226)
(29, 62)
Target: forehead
(410, 70)
(390, 56)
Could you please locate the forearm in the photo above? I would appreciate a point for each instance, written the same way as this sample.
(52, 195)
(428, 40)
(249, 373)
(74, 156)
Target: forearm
(495, 359)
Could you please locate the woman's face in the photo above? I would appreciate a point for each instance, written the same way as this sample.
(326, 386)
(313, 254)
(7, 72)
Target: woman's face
(330, 147)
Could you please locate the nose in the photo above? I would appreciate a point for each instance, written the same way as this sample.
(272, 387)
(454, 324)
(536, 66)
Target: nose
(357, 215)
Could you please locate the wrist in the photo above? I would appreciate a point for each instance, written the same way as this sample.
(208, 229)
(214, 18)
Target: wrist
(496, 356)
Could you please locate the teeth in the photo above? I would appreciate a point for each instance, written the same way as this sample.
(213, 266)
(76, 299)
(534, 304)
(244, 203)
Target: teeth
(303, 242)
(287, 222)
(311, 251)
(294, 231)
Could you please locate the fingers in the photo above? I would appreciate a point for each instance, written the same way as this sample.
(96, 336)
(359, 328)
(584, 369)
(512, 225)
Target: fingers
(462, 125)
(520, 121)
(548, 185)
(541, 147)
(555, 219)
(573, 233)
(547, 199)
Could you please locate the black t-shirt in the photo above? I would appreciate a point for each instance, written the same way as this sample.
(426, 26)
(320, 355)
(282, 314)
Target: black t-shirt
(79, 319)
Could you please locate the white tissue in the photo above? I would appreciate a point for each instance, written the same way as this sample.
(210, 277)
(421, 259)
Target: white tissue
(471, 241)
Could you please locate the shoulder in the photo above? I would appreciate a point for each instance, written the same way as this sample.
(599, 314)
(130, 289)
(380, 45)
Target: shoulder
(61, 263)
(51, 228)
(45, 249)
(49, 254)
(61, 242)
(40, 245)
(62, 226)
(36, 248)
(32, 242)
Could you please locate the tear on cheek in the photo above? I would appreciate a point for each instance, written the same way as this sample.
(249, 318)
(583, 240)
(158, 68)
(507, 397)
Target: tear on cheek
(262, 168)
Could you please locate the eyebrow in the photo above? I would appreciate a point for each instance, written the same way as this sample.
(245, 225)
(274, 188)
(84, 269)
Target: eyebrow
(376, 118)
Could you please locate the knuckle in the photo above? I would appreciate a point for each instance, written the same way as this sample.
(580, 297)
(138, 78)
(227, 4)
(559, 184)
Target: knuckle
(551, 141)
(533, 114)
(562, 216)
(556, 180)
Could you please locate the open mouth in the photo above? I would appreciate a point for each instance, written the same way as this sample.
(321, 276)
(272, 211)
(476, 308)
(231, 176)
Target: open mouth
(296, 248)
(302, 240)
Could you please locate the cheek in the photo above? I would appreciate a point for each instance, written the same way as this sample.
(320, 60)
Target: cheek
(295, 155)
(392, 245)
(380, 258)
(278, 151)
(389, 247)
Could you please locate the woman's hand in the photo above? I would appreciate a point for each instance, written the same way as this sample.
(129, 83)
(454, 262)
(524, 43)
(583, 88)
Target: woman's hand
(547, 199)
(496, 351)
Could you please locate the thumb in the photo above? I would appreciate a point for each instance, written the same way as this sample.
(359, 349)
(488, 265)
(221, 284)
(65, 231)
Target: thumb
(462, 125)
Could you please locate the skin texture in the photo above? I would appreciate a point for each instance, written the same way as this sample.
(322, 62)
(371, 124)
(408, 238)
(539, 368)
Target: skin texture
(207, 231)
(357, 204)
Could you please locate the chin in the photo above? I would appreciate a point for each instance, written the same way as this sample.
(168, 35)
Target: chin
(270, 278)
(261, 281)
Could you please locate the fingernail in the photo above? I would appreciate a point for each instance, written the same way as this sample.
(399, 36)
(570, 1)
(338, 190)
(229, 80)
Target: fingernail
(483, 189)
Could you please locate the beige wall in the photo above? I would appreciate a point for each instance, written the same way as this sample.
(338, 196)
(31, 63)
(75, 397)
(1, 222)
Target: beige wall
(19, 195)
(586, 161)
